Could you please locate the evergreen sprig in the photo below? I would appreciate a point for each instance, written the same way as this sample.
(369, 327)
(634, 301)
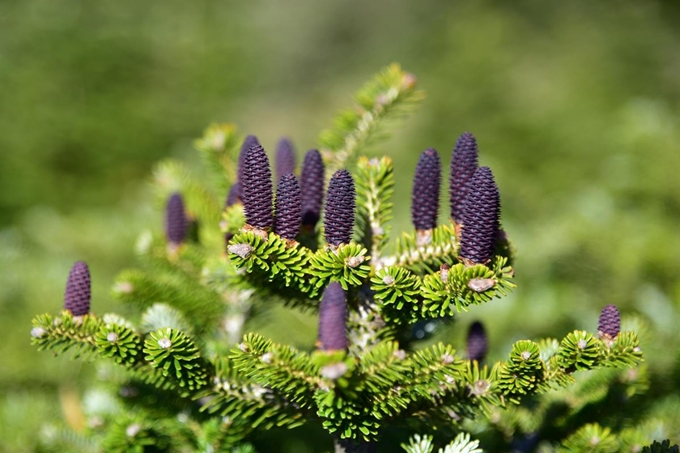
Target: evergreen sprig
(390, 95)
(374, 186)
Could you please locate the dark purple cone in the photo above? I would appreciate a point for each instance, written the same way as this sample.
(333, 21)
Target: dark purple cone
(333, 318)
(609, 322)
(340, 204)
(311, 187)
(477, 343)
(77, 296)
(288, 207)
(234, 195)
(284, 162)
(247, 143)
(481, 217)
(257, 188)
(463, 166)
(425, 195)
(176, 223)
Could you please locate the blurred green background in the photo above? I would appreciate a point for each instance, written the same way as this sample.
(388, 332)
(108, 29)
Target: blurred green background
(576, 106)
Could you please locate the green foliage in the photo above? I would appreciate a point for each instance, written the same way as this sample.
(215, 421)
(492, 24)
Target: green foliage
(461, 444)
(389, 95)
(374, 182)
(197, 297)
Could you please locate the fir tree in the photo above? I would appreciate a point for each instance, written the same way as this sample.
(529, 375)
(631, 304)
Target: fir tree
(193, 380)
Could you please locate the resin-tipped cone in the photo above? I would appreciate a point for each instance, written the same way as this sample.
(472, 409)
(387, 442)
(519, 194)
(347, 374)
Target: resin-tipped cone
(284, 162)
(425, 195)
(609, 323)
(176, 222)
(288, 207)
(248, 142)
(477, 342)
(463, 166)
(333, 318)
(77, 295)
(340, 204)
(256, 188)
(311, 187)
(481, 217)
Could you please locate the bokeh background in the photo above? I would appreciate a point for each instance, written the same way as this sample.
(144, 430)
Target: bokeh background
(576, 106)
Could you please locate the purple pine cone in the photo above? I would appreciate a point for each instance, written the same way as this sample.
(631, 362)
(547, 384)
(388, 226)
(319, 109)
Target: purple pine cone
(257, 188)
(425, 195)
(463, 166)
(247, 143)
(477, 343)
(481, 217)
(609, 323)
(333, 318)
(311, 187)
(234, 195)
(340, 204)
(77, 295)
(288, 207)
(176, 222)
(285, 158)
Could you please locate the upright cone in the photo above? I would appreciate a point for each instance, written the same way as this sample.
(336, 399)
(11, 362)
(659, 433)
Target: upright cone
(609, 323)
(77, 295)
(425, 194)
(257, 188)
(477, 342)
(176, 222)
(333, 318)
(248, 142)
(234, 195)
(340, 205)
(311, 188)
(463, 166)
(284, 162)
(481, 217)
(288, 207)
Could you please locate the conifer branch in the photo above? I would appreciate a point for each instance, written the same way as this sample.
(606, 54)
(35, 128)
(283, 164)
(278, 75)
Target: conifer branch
(219, 147)
(375, 186)
(391, 94)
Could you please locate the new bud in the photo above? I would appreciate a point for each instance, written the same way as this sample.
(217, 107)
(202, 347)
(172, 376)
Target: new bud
(176, 223)
(285, 158)
(481, 217)
(256, 188)
(333, 318)
(609, 323)
(463, 166)
(77, 295)
(477, 342)
(288, 207)
(425, 195)
(311, 187)
(340, 204)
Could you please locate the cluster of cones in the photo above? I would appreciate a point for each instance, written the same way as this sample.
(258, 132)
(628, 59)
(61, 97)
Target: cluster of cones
(474, 207)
